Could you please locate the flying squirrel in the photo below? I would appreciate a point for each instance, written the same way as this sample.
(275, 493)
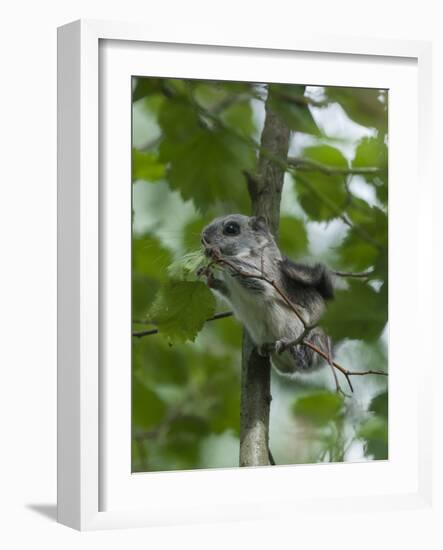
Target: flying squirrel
(241, 244)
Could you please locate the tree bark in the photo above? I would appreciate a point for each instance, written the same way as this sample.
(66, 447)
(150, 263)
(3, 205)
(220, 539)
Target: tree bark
(265, 189)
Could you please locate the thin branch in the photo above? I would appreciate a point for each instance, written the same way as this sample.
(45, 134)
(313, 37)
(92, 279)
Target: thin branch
(215, 255)
(325, 200)
(300, 340)
(331, 364)
(357, 275)
(286, 166)
(271, 458)
(140, 333)
(312, 165)
(291, 162)
(297, 163)
(347, 373)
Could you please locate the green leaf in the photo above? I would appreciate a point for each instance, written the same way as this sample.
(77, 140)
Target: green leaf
(186, 267)
(381, 188)
(356, 253)
(147, 408)
(239, 117)
(149, 267)
(181, 308)
(178, 120)
(144, 290)
(366, 106)
(212, 94)
(209, 94)
(287, 102)
(362, 214)
(381, 269)
(293, 239)
(322, 196)
(375, 433)
(360, 248)
(208, 167)
(371, 152)
(325, 154)
(379, 405)
(320, 407)
(206, 164)
(357, 313)
(146, 166)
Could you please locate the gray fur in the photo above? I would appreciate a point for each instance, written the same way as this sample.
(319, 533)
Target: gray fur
(260, 308)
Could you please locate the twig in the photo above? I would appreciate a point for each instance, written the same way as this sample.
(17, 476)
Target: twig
(215, 255)
(331, 364)
(271, 458)
(312, 165)
(347, 373)
(300, 340)
(140, 333)
(219, 259)
(290, 162)
(286, 166)
(357, 275)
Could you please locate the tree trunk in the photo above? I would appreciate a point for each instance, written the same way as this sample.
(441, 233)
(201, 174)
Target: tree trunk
(265, 193)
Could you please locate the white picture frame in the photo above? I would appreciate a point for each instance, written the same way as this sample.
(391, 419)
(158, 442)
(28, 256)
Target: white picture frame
(86, 474)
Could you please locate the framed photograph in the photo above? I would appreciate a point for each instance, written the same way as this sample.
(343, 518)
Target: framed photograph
(235, 225)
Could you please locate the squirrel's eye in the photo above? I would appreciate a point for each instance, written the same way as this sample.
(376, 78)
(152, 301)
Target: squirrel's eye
(231, 228)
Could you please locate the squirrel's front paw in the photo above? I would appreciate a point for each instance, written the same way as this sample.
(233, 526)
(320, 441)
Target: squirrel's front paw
(213, 282)
(279, 346)
(282, 345)
(264, 350)
(206, 273)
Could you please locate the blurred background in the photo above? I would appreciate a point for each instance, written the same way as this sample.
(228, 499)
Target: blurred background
(192, 140)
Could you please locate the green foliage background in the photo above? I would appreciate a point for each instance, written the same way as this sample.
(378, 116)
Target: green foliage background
(192, 142)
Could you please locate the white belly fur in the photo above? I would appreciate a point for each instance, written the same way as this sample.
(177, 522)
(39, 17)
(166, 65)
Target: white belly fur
(266, 317)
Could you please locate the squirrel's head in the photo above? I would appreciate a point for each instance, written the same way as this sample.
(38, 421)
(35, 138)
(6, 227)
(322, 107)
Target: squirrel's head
(236, 235)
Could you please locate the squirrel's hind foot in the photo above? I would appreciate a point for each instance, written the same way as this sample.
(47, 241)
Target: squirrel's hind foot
(279, 346)
(265, 350)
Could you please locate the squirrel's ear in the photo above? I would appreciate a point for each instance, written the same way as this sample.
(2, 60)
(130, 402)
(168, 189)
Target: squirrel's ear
(259, 222)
